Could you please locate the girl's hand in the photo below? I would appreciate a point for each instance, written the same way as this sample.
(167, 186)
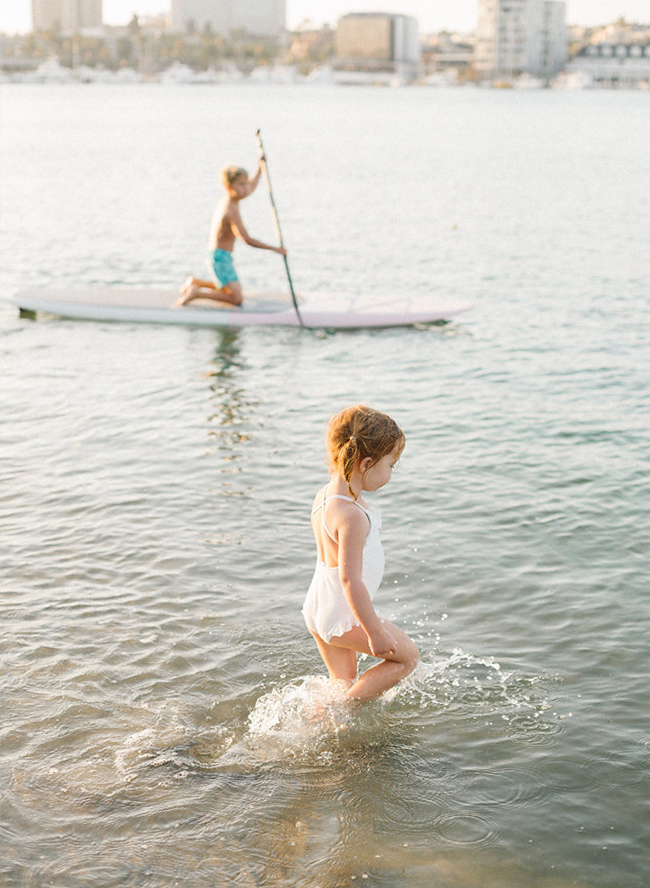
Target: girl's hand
(382, 644)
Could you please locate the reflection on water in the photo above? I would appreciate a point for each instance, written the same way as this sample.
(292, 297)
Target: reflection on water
(227, 353)
(229, 400)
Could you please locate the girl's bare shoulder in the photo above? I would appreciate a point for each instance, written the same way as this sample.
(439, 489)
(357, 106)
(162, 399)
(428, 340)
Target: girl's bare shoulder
(345, 513)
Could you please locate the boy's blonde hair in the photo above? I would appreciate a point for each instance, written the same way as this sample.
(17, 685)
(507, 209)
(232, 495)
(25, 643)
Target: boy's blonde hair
(359, 432)
(229, 173)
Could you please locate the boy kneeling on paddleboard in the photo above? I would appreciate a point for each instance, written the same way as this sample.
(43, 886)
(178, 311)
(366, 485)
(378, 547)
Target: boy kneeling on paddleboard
(227, 225)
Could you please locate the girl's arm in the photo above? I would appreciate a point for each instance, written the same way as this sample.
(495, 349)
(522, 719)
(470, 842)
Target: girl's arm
(351, 538)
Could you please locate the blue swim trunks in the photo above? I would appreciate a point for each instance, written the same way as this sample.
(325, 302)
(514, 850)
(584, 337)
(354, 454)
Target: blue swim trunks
(222, 267)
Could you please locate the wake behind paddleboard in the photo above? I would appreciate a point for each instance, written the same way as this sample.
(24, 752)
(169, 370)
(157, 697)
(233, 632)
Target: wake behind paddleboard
(133, 305)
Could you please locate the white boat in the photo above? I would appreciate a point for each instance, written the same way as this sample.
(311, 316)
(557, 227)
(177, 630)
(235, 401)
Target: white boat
(177, 73)
(52, 71)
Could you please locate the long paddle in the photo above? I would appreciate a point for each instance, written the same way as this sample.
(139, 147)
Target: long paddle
(267, 179)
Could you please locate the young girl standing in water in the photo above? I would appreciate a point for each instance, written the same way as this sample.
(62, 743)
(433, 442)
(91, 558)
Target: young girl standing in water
(363, 446)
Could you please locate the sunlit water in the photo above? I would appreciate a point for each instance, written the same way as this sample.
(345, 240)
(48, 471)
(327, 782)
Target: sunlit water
(164, 715)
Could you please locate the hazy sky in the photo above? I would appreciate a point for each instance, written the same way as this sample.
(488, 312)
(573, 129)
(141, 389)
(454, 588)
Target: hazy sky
(433, 15)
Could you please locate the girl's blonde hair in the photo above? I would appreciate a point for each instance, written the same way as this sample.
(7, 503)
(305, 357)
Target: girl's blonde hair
(359, 432)
(230, 173)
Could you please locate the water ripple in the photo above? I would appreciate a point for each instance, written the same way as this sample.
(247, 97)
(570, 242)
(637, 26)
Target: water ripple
(466, 829)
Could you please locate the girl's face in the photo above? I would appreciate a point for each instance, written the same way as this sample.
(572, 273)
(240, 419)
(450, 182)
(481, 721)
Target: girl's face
(374, 477)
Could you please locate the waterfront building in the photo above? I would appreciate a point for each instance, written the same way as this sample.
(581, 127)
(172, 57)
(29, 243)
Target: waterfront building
(516, 37)
(66, 16)
(262, 18)
(554, 39)
(372, 47)
(611, 64)
(446, 58)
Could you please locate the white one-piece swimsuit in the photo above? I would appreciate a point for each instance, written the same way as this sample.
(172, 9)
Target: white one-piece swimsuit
(326, 609)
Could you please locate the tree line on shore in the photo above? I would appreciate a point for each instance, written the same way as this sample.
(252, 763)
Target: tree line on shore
(150, 51)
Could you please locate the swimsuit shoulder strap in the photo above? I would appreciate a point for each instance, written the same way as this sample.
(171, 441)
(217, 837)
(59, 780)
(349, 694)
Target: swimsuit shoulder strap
(322, 508)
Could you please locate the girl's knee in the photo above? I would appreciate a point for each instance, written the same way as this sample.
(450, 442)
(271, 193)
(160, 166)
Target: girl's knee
(402, 668)
(408, 659)
(412, 664)
(410, 653)
(412, 661)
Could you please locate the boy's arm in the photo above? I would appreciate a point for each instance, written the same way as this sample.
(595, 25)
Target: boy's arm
(240, 231)
(254, 180)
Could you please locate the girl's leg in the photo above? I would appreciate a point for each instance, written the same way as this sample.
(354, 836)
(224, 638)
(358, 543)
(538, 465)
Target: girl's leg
(384, 675)
(341, 663)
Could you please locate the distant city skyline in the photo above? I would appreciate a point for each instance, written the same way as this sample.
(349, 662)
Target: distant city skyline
(454, 15)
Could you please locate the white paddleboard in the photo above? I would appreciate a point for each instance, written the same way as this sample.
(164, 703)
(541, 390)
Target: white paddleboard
(133, 305)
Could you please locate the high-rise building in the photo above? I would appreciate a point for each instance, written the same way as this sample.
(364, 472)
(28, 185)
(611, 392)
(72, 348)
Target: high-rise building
(376, 47)
(259, 17)
(67, 16)
(520, 36)
(554, 43)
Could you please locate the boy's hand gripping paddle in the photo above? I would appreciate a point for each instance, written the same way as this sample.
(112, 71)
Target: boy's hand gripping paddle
(277, 223)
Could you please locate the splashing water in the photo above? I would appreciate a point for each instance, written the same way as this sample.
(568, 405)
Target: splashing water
(297, 716)
(307, 715)
(470, 686)
(310, 714)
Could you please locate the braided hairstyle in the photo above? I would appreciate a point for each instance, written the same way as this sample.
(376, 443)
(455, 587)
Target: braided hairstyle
(357, 433)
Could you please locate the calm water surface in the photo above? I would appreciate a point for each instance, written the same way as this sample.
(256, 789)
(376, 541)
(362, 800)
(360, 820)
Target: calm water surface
(159, 688)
